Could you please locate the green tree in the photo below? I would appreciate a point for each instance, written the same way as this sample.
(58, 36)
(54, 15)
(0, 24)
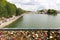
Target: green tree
(51, 11)
(19, 11)
(3, 2)
(8, 9)
(11, 9)
(3, 11)
(41, 11)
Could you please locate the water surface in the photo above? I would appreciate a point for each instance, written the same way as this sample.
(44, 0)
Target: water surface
(37, 21)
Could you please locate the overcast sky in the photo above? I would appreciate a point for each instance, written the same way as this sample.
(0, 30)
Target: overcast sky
(36, 4)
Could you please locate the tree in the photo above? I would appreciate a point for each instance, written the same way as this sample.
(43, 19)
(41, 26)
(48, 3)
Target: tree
(3, 2)
(51, 11)
(19, 11)
(3, 11)
(40, 11)
(8, 9)
(11, 9)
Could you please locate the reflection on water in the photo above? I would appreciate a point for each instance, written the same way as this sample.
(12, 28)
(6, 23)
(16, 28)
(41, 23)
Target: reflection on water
(53, 14)
(37, 21)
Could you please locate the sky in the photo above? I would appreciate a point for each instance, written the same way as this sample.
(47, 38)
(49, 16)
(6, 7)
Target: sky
(33, 5)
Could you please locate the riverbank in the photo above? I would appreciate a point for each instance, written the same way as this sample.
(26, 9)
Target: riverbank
(9, 21)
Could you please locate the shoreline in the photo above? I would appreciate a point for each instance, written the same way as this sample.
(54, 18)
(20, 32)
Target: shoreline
(10, 21)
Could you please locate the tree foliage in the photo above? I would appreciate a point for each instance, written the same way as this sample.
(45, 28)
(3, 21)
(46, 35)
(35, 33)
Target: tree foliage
(11, 9)
(3, 11)
(51, 11)
(19, 11)
(3, 2)
(8, 9)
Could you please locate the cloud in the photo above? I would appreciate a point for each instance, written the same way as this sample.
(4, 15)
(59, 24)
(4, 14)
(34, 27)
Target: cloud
(37, 4)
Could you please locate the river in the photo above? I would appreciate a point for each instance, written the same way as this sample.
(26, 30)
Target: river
(37, 21)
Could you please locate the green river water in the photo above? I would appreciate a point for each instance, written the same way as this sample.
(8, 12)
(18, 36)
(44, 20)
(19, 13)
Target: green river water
(37, 21)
